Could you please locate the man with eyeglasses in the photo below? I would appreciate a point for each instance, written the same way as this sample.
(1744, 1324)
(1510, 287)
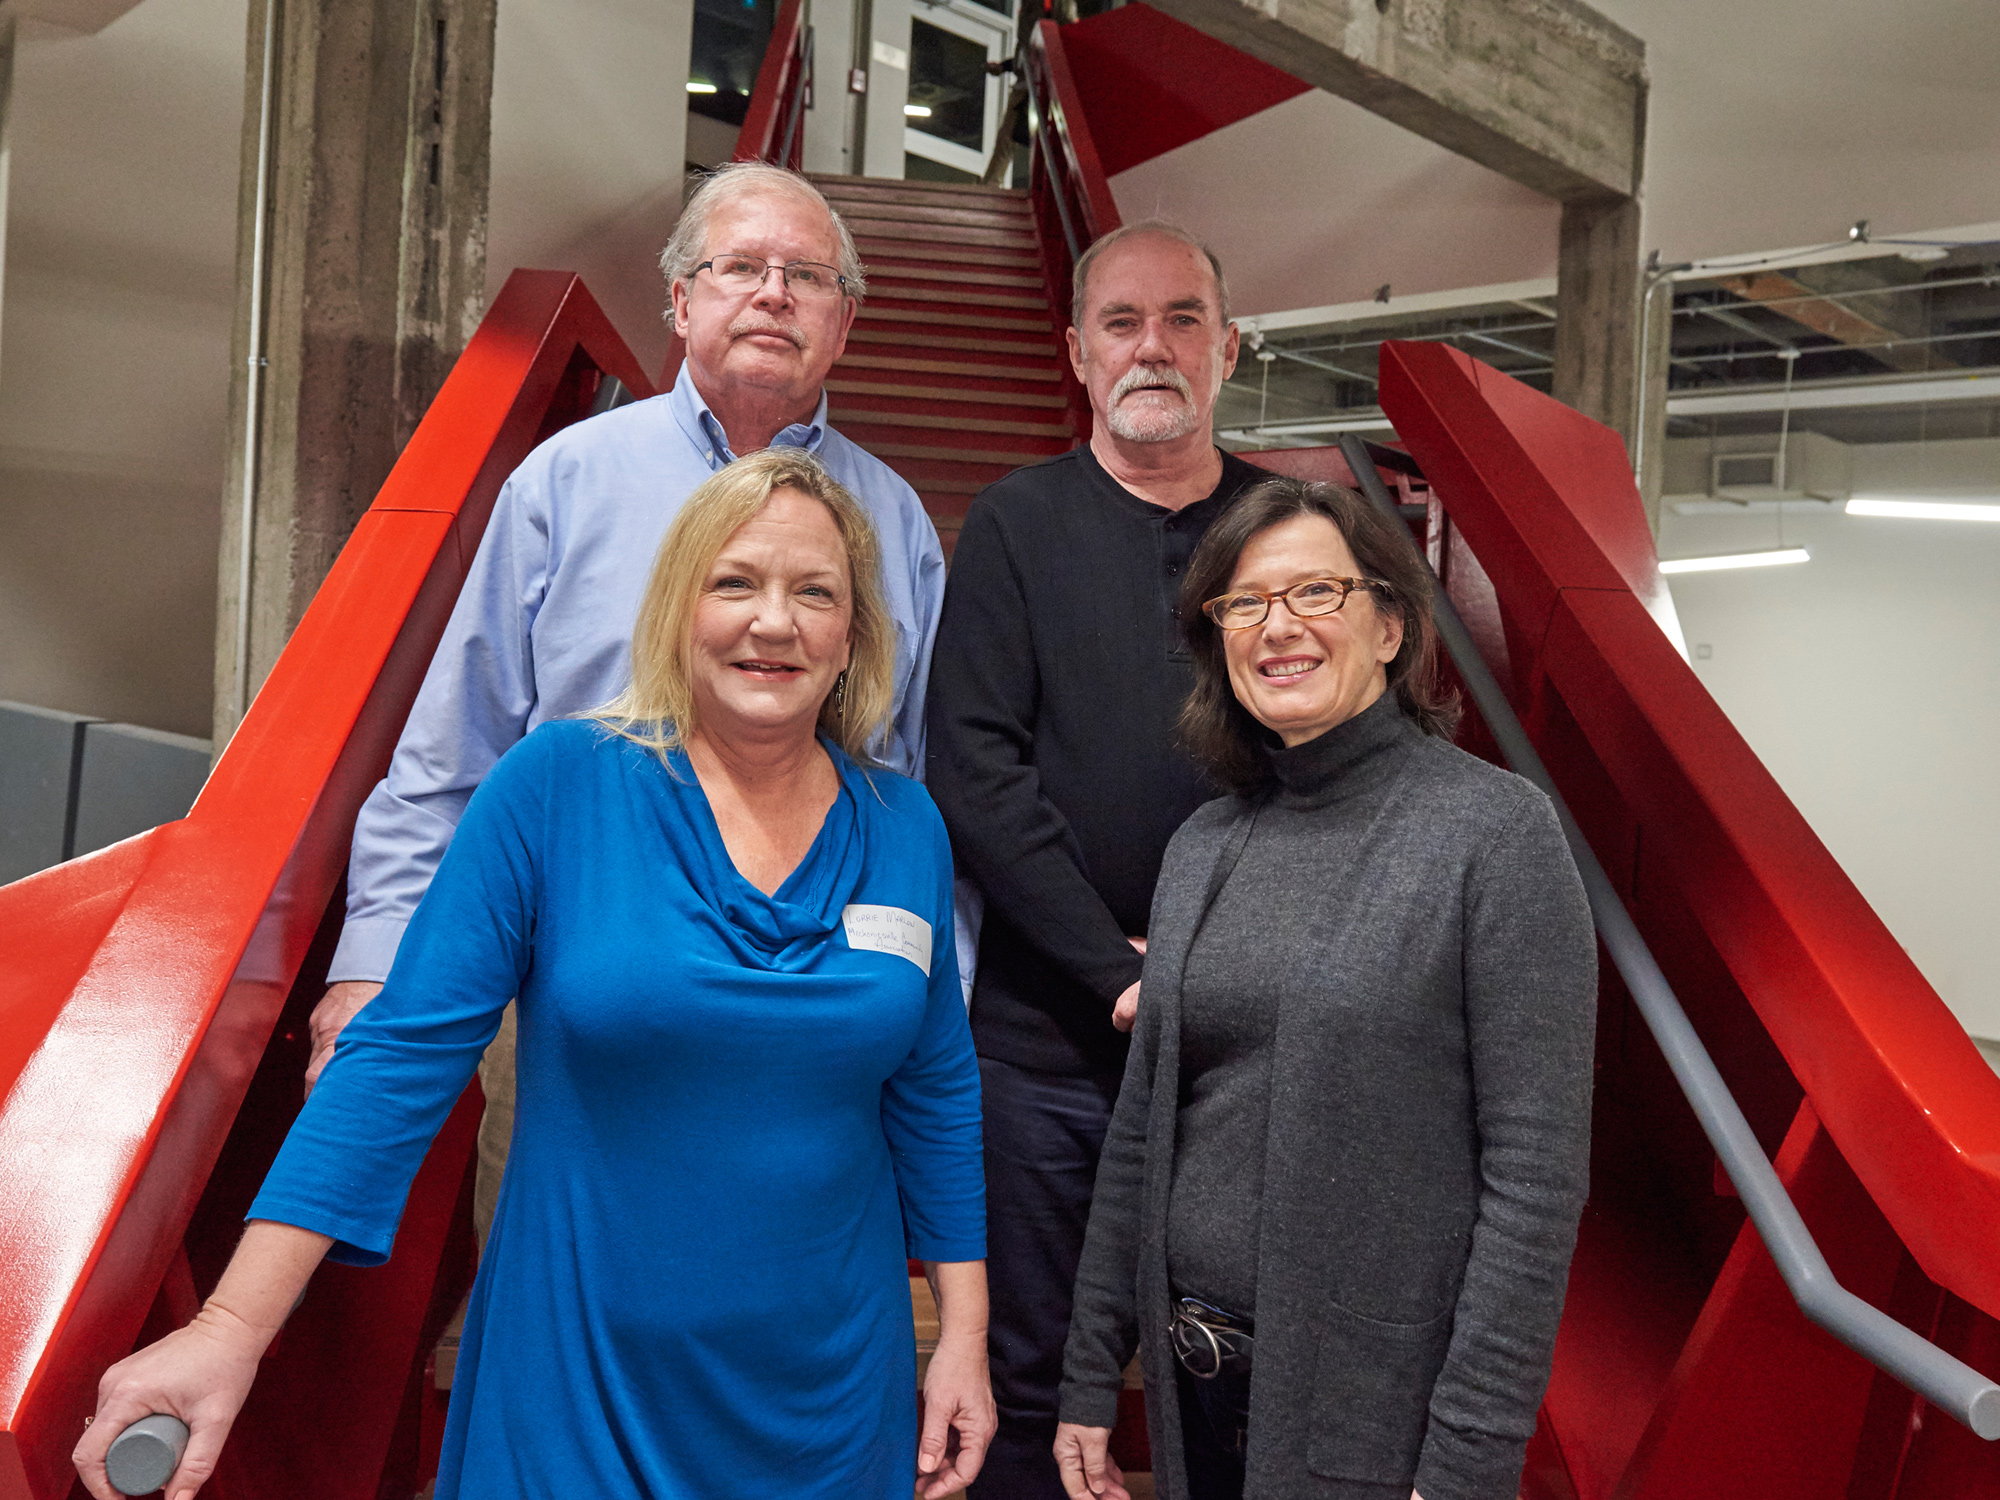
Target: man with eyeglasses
(765, 284)
(1058, 675)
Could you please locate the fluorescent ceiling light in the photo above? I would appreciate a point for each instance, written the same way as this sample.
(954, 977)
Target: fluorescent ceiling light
(700, 88)
(1924, 510)
(917, 111)
(1818, 395)
(1769, 559)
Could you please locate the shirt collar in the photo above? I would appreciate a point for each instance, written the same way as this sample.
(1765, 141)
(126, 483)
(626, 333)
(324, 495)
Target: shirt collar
(705, 431)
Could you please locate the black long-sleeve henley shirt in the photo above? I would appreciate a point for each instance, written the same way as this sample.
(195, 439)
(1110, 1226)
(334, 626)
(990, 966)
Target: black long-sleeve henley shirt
(1056, 679)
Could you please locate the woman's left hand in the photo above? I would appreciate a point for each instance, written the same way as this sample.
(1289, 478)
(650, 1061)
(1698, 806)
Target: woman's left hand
(959, 1417)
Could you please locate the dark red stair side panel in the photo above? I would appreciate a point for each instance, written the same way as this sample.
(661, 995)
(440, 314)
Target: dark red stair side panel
(1149, 83)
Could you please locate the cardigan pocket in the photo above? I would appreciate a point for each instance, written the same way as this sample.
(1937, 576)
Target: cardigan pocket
(1372, 1394)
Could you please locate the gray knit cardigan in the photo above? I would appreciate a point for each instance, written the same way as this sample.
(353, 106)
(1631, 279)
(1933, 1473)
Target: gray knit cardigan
(1427, 1153)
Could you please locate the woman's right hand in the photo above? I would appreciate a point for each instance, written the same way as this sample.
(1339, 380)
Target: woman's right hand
(200, 1373)
(1089, 1472)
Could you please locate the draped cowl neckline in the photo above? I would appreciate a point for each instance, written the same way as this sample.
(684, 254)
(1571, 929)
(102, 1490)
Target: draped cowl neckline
(786, 928)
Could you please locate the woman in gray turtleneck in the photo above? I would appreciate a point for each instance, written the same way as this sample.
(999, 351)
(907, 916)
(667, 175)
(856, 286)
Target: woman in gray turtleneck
(1336, 1206)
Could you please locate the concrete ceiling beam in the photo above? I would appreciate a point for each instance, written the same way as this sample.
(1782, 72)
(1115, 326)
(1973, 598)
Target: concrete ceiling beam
(81, 16)
(1545, 92)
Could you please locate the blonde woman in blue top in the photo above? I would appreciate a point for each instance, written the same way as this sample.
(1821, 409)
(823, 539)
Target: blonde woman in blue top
(747, 1088)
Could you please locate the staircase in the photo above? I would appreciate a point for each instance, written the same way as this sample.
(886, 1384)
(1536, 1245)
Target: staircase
(954, 371)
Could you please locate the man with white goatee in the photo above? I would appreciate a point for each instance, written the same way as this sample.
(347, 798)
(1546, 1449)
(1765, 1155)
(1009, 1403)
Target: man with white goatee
(1058, 673)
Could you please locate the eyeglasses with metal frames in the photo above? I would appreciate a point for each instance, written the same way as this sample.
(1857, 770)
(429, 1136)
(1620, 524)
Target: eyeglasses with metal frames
(805, 278)
(1316, 596)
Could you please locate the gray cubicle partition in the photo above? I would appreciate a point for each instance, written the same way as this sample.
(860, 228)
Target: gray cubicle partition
(134, 779)
(41, 752)
(70, 784)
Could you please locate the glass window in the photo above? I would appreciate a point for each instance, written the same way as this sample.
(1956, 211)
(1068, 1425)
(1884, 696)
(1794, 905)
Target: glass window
(948, 82)
(728, 48)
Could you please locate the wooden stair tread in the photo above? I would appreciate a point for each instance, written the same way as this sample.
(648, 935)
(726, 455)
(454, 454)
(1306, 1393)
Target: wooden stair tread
(947, 367)
(1044, 348)
(896, 229)
(944, 393)
(880, 271)
(1011, 458)
(845, 417)
(900, 190)
(966, 296)
(948, 254)
(912, 215)
(887, 271)
(872, 314)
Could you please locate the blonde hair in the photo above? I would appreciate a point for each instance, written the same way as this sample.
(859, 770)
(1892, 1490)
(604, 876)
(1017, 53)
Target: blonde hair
(658, 709)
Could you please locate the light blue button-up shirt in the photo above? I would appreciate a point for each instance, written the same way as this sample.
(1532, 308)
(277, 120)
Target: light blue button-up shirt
(543, 627)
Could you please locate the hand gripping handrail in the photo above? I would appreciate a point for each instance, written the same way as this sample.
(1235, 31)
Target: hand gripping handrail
(1939, 1377)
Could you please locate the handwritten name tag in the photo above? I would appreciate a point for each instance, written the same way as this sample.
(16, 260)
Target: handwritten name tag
(889, 929)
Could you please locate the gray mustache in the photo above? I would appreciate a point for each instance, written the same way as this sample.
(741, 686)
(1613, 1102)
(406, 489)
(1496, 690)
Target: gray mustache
(767, 325)
(1151, 375)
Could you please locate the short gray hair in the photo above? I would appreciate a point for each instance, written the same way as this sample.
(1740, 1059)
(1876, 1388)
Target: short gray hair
(1162, 229)
(742, 179)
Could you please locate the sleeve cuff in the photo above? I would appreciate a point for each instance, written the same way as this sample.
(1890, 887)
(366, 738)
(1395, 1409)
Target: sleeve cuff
(1123, 976)
(355, 1242)
(1087, 1405)
(949, 1251)
(367, 950)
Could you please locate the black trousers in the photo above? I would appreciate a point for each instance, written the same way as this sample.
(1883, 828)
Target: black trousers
(1044, 1132)
(1215, 1424)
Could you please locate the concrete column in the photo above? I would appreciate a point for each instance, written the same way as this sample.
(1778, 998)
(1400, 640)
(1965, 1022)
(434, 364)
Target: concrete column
(370, 166)
(1597, 312)
(888, 64)
(829, 130)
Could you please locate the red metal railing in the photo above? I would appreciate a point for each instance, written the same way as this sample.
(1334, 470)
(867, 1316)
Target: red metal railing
(153, 997)
(1684, 1366)
(774, 129)
(1066, 184)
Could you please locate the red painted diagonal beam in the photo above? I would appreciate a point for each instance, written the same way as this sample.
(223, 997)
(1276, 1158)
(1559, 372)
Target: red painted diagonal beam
(131, 1050)
(1912, 1106)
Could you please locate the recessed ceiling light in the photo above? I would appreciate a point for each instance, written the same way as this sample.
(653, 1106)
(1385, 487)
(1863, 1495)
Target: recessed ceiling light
(1924, 510)
(700, 88)
(1771, 559)
(917, 111)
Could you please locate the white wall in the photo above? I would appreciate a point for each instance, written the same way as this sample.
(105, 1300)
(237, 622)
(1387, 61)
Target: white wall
(1316, 201)
(1868, 681)
(1780, 124)
(589, 146)
(114, 360)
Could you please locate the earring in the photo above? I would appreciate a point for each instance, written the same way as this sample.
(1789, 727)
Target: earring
(840, 693)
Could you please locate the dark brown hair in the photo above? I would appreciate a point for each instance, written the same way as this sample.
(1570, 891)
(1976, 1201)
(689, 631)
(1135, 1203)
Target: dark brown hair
(1217, 728)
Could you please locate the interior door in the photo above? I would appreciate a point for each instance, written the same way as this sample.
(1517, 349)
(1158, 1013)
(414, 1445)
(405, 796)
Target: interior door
(954, 105)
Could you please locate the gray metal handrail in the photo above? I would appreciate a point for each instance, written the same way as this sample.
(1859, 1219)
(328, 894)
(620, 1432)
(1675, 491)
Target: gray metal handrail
(801, 95)
(1938, 1376)
(1041, 132)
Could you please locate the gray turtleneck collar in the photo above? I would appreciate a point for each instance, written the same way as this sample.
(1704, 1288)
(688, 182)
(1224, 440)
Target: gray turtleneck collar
(1350, 759)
